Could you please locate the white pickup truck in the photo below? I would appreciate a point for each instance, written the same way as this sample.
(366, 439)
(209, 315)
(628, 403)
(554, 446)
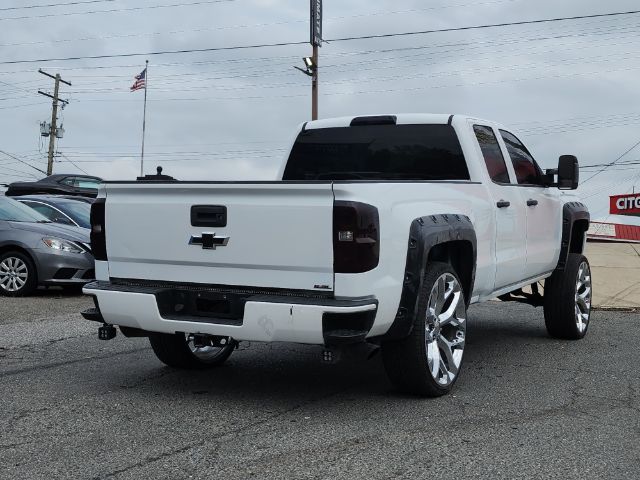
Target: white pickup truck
(379, 230)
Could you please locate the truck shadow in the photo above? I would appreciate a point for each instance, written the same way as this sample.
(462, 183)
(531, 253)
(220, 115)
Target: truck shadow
(277, 373)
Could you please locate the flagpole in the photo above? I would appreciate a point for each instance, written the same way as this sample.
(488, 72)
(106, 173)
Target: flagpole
(144, 114)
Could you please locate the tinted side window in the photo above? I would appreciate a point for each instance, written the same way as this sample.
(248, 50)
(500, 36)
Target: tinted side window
(492, 154)
(527, 171)
(45, 210)
(377, 152)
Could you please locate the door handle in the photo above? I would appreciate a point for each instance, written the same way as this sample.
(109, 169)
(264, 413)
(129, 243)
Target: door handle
(532, 203)
(503, 204)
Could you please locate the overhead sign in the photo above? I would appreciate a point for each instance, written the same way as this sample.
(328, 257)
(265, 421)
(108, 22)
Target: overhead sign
(625, 204)
(316, 23)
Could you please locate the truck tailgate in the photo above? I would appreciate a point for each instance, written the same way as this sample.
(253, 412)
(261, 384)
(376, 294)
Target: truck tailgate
(276, 235)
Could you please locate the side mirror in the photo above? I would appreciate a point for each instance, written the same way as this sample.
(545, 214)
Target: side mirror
(568, 172)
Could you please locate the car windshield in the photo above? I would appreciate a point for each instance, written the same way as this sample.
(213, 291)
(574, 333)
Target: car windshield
(78, 211)
(14, 211)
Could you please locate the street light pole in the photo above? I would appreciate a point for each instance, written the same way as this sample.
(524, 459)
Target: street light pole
(314, 85)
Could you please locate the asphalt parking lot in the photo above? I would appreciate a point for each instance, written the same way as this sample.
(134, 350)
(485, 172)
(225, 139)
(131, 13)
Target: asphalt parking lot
(526, 406)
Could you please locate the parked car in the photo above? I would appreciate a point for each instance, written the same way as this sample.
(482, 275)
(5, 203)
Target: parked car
(59, 184)
(378, 232)
(60, 209)
(34, 251)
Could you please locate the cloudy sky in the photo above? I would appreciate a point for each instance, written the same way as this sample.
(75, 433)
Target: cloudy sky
(565, 87)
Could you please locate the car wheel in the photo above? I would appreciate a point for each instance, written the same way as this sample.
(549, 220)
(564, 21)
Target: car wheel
(567, 299)
(18, 276)
(178, 351)
(428, 361)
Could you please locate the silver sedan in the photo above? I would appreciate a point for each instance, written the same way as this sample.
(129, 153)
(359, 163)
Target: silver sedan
(35, 251)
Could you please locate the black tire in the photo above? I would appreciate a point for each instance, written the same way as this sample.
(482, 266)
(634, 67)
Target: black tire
(561, 306)
(31, 281)
(173, 350)
(406, 361)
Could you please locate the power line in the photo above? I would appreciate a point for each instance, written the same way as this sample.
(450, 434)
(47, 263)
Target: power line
(479, 27)
(369, 92)
(160, 52)
(20, 172)
(607, 186)
(22, 161)
(232, 27)
(16, 88)
(114, 10)
(26, 7)
(594, 123)
(616, 167)
(612, 163)
(338, 69)
(609, 30)
(22, 105)
(343, 39)
(73, 163)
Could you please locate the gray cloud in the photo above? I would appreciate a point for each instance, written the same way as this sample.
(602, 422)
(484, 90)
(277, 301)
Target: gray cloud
(229, 115)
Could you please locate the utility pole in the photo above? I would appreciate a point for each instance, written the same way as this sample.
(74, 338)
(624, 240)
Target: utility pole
(54, 115)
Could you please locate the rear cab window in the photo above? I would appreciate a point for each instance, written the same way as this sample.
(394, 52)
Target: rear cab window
(527, 170)
(493, 158)
(420, 152)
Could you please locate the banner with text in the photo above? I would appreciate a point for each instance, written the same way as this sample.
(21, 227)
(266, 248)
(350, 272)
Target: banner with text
(625, 204)
(316, 23)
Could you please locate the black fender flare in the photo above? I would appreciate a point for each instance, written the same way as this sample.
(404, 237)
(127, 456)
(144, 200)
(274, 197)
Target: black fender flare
(572, 212)
(425, 233)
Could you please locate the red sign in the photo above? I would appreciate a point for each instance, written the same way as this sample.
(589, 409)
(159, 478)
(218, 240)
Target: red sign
(625, 204)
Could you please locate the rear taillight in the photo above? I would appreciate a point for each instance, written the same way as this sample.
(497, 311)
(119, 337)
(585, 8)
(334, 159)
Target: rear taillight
(356, 237)
(98, 236)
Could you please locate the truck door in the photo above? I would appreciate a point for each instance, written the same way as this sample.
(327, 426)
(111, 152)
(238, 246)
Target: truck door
(509, 211)
(543, 209)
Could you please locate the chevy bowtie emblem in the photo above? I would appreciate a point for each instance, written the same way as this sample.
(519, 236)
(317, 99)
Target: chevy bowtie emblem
(209, 241)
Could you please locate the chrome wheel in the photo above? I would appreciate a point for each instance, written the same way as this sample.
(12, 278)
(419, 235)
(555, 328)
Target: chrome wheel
(583, 297)
(206, 354)
(14, 274)
(445, 329)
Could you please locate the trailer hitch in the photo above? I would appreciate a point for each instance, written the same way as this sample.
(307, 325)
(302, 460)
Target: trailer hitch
(107, 332)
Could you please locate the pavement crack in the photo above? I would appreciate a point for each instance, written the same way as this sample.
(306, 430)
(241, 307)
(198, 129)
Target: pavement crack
(148, 378)
(9, 446)
(24, 414)
(215, 440)
(67, 362)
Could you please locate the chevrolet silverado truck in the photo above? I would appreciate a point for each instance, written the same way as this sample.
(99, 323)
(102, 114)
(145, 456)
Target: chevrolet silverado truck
(379, 230)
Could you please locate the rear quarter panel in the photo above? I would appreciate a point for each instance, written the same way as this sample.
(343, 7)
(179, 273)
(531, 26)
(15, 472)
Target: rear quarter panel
(398, 205)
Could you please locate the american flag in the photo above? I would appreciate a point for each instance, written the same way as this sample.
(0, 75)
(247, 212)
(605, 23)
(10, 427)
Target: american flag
(141, 81)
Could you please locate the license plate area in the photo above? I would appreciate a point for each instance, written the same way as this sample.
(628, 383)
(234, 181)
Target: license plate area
(202, 306)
